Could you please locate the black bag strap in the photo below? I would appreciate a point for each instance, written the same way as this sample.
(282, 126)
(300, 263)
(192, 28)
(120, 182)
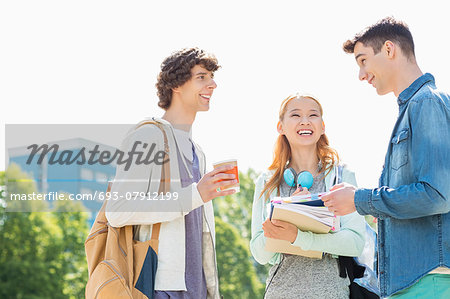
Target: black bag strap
(348, 265)
(343, 262)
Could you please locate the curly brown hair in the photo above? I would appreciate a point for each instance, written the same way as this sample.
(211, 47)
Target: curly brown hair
(176, 70)
(385, 29)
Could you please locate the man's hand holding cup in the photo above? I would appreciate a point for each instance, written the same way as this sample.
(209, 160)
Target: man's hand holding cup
(221, 181)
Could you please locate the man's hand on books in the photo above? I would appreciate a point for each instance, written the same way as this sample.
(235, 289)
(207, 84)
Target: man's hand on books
(210, 182)
(341, 199)
(277, 229)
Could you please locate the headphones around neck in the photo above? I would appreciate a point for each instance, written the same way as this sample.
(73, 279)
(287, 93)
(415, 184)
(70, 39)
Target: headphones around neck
(303, 178)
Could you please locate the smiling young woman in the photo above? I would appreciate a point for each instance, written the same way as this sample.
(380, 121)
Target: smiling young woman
(290, 113)
(302, 145)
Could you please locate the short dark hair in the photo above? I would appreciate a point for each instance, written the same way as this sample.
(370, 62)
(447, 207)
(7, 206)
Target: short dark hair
(376, 35)
(176, 70)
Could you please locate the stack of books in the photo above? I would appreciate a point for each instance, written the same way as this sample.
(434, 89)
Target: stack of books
(307, 215)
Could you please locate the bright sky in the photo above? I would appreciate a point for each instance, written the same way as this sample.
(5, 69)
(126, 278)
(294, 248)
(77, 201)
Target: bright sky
(97, 61)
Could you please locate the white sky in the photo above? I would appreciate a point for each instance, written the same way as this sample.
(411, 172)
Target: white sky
(97, 62)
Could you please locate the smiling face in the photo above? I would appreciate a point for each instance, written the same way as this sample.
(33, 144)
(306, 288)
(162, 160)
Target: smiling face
(302, 122)
(376, 69)
(196, 93)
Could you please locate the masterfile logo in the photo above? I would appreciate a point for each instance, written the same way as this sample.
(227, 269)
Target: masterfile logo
(84, 156)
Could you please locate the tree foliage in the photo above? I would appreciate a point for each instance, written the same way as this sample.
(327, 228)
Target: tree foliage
(235, 214)
(42, 253)
(236, 209)
(237, 276)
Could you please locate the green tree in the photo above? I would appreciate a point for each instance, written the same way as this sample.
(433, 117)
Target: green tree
(42, 253)
(26, 257)
(236, 210)
(18, 182)
(237, 276)
(71, 217)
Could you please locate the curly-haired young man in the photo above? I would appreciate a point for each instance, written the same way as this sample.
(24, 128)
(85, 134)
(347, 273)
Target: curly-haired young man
(412, 201)
(186, 254)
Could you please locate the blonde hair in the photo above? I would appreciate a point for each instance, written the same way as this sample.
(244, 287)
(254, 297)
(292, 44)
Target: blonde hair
(282, 151)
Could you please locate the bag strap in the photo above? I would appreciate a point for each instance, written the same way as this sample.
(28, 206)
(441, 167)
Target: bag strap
(164, 185)
(344, 263)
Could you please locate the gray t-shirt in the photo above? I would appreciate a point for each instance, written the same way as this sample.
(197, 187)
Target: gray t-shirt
(302, 277)
(194, 275)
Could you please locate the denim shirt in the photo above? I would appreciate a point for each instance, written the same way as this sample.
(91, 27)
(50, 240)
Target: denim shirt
(412, 201)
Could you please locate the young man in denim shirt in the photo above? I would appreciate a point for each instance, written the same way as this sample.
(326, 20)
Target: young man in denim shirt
(412, 202)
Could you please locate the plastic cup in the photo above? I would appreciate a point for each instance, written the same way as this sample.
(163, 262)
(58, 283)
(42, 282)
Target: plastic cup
(234, 171)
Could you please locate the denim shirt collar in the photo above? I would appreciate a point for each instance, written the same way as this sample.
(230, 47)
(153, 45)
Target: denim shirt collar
(407, 94)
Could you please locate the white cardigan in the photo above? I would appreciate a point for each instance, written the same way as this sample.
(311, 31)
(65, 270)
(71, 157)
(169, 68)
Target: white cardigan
(171, 252)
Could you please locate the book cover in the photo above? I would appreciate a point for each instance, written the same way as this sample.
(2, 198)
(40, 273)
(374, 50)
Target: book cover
(304, 222)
